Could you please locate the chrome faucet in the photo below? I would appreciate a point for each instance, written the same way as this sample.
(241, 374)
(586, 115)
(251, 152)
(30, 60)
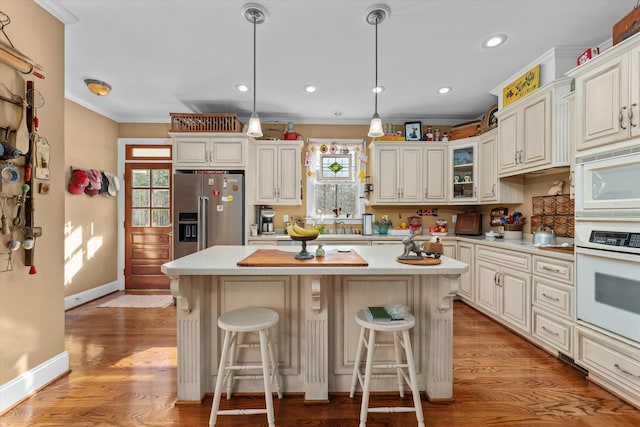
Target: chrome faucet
(335, 226)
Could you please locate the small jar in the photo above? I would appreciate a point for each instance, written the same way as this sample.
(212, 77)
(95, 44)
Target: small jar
(319, 251)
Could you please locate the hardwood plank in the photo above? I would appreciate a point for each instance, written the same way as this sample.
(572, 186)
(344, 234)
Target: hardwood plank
(124, 374)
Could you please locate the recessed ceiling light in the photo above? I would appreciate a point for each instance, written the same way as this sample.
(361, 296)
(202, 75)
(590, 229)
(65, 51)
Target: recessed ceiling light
(242, 88)
(445, 89)
(310, 88)
(378, 89)
(495, 41)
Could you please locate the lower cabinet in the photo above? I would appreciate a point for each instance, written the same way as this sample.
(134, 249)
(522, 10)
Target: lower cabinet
(466, 255)
(506, 293)
(612, 363)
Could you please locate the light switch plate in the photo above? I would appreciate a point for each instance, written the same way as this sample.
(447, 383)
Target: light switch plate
(285, 218)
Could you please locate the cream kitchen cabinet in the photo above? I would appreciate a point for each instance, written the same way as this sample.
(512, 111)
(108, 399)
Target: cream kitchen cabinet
(278, 172)
(553, 309)
(608, 96)
(491, 188)
(209, 151)
(504, 286)
(408, 173)
(466, 254)
(434, 176)
(463, 173)
(533, 133)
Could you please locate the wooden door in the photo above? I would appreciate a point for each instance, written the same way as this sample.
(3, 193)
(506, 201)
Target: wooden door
(148, 236)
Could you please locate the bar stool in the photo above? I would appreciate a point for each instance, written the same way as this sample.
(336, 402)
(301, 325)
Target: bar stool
(401, 341)
(253, 319)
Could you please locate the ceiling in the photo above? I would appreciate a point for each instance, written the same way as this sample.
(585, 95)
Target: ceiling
(180, 56)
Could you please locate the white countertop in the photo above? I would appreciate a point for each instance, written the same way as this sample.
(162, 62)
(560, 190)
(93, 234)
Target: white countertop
(221, 260)
(518, 245)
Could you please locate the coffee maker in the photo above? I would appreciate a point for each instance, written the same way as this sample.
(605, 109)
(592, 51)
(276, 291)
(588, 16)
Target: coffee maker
(265, 220)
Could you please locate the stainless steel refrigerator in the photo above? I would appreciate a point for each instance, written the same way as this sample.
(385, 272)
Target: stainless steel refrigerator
(208, 209)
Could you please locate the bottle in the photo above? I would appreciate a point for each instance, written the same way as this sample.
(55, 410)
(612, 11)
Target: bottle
(319, 251)
(10, 152)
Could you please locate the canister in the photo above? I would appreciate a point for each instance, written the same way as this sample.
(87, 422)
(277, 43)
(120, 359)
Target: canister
(367, 224)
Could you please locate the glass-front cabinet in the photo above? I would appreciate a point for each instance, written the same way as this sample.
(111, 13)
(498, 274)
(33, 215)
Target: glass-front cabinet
(464, 170)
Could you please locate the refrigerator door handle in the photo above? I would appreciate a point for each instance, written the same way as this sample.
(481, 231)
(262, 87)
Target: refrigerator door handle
(203, 232)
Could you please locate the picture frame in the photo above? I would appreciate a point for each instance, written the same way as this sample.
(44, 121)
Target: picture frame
(412, 131)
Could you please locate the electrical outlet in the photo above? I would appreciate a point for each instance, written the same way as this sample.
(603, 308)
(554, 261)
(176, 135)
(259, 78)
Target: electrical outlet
(454, 218)
(285, 218)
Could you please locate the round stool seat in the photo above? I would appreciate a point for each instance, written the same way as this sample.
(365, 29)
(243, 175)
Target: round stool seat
(392, 326)
(248, 319)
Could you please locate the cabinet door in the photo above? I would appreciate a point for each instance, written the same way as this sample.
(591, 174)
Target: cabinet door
(191, 152)
(410, 171)
(600, 96)
(386, 178)
(288, 169)
(634, 77)
(515, 307)
(488, 169)
(508, 138)
(464, 172)
(536, 132)
(465, 254)
(228, 152)
(487, 285)
(266, 173)
(434, 175)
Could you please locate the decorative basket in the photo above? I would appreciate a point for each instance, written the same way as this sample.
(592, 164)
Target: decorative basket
(271, 131)
(185, 122)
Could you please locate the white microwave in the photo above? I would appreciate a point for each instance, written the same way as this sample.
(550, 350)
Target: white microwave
(608, 185)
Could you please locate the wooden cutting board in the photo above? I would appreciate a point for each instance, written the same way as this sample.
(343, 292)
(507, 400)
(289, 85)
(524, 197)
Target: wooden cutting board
(278, 258)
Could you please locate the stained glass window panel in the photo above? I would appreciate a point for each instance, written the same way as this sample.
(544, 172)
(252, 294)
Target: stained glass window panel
(140, 198)
(140, 218)
(336, 167)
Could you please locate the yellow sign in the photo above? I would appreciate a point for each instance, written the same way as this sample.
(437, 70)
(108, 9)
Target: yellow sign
(522, 86)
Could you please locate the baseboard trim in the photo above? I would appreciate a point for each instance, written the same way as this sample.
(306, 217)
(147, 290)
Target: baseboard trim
(21, 387)
(89, 295)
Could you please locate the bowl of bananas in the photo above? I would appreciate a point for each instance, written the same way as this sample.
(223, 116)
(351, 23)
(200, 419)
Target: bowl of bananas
(303, 235)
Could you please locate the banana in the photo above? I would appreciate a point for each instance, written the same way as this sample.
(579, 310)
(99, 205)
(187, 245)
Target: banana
(305, 232)
(291, 231)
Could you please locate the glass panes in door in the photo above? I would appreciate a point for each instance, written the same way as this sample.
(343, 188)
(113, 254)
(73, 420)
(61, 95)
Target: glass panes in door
(150, 198)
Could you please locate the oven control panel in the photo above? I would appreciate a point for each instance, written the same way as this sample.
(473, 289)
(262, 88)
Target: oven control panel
(615, 238)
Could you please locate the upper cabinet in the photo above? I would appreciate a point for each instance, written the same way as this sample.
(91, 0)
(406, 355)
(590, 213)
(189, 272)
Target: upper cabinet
(533, 133)
(408, 173)
(463, 159)
(277, 175)
(209, 151)
(608, 96)
(492, 189)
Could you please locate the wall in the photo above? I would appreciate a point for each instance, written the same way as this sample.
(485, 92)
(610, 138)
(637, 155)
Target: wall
(31, 306)
(91, 221)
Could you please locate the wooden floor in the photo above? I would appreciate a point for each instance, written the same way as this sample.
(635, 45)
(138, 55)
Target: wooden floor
(123, 364)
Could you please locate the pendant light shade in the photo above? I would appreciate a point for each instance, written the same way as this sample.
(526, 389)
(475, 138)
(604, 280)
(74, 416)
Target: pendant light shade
(256, 14)
(374, 16)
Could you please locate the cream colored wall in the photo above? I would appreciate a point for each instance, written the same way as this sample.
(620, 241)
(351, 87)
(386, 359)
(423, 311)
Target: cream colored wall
(91, 221)
(32, 306)
(143, 130)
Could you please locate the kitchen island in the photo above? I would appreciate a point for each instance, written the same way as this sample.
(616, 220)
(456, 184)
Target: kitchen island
(317, 335)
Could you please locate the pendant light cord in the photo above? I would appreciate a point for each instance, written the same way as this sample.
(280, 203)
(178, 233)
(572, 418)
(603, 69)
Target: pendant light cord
(254, 63)
(376, 86)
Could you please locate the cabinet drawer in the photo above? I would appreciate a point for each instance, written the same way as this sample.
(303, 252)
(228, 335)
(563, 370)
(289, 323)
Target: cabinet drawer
(553, 331)
(504, 258)
(554, 297)
(611, 359)
(553, 268)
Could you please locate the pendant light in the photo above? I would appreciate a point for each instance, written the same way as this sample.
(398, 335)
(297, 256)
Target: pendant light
(375, 15)
(256, 14)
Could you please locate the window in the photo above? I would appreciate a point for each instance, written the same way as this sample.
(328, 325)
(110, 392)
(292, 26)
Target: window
(335, 176)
